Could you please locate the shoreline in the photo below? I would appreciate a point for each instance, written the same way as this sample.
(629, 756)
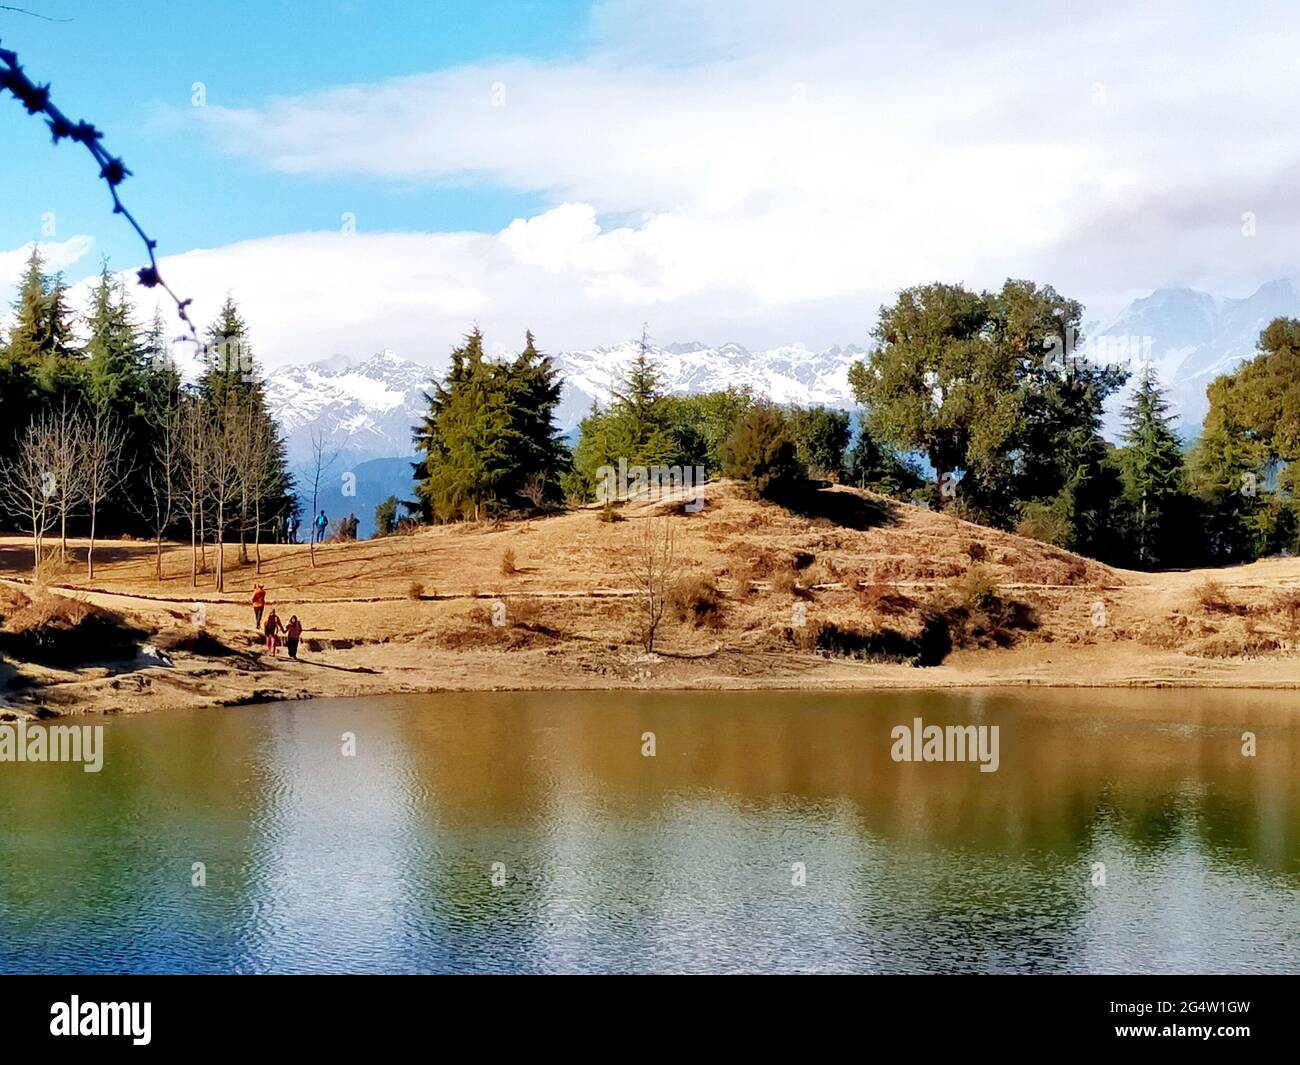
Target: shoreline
(766, 599)
(199, 682)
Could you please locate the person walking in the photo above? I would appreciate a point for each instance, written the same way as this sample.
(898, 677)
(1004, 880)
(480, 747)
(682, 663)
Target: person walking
(293, 529)
(259, 604)
(322, 523)
(272, 629)
(292, 634)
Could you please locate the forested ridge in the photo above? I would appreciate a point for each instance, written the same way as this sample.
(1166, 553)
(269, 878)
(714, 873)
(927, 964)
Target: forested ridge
(970, 402)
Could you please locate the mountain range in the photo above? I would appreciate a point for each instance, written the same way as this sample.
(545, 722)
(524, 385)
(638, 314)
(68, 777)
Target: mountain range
(366, 409)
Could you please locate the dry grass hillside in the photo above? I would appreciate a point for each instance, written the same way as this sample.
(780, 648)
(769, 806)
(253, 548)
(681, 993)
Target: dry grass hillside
(854, 591)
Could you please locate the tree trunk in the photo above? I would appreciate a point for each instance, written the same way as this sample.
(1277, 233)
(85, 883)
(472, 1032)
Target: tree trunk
(257, 537)
(90, 551)
(221, 550)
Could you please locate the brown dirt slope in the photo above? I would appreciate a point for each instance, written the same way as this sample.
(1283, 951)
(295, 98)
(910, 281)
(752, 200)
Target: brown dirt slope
(852, 590)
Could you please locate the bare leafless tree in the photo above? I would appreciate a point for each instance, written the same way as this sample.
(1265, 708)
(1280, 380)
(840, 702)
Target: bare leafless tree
(102, 469)
(322, 460)
(261, 475)
(223, 480)
(68, 442)
(534, 489)
(164, 476)
(655, 570)
(194, 444)
(27, 482)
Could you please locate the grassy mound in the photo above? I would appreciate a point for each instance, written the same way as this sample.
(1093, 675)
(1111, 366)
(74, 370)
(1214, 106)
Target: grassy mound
(57, 630)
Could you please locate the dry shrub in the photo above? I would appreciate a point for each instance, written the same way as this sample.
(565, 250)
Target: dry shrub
(1286, 604)
(1226, 645)
(12, 600)
(521, 630)
(885, 599)
(744, 575)
(784, 582)
(58, 630)
(928, 648)
(508, 567)
(1211, 597)
(802, 560)
(415, 590)
(976, 551)
(609, 514)
(194, 641)
(978, 615)
(825, 571)
(695, 600)
(48, 570)
(977, 589)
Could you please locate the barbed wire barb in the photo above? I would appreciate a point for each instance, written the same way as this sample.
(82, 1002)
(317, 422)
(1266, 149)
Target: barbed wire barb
(36, 99)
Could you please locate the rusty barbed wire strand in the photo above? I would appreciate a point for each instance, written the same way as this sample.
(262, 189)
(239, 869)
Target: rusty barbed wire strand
(36, 99)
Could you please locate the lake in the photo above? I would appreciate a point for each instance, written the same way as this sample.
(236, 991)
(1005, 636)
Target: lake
(1122, 831)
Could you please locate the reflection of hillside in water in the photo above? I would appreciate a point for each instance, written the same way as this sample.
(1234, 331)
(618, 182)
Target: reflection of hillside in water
(1147, 766)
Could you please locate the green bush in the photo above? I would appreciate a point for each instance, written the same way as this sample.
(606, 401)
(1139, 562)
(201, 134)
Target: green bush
(761, 452)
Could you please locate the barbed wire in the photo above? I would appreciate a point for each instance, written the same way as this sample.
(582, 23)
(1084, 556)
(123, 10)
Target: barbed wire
(33, 14)
(36, 99)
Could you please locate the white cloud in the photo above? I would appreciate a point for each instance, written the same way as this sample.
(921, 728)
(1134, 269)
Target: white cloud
(56, 255)
(770, 172)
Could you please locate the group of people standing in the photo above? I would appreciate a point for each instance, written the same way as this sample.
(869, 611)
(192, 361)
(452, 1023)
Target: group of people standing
(286, 528)
(272, 626)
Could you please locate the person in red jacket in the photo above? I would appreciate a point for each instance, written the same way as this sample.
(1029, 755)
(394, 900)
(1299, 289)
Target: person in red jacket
(259, 603)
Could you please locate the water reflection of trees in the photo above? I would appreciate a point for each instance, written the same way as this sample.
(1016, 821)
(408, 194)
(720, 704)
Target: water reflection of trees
(1065, 774)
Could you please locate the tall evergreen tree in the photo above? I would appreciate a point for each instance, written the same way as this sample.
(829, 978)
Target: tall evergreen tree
(1152, 464)
(638, 427)
(534, 384)
(641, 417)
(489, 440)
(467, 439)
(233, 392)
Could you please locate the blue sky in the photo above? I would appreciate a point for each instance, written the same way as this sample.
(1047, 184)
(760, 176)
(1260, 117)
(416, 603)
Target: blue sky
(128, 67)
(756, 171)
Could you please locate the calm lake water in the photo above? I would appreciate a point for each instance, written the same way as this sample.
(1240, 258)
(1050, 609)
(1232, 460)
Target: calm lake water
(684, 861)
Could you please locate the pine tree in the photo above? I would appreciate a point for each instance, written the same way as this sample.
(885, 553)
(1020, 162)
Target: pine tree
(20, 355)
(1152, 462)
(114, 352)
(468, 438)
(762, 453)
(489, 441)
(232, 391)
(640, 426)
(534, 386)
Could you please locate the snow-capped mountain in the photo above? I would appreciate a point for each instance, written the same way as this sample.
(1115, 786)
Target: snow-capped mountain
(366, 410)
(1193, 337)
(790, 374)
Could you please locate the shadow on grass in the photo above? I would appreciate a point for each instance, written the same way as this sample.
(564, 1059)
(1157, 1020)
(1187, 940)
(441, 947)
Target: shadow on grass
(849, 509)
